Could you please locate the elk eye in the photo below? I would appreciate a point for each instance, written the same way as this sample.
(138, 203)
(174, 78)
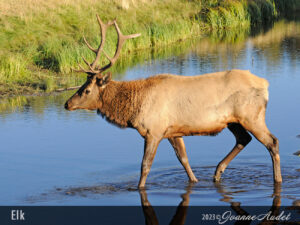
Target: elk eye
(87, 91)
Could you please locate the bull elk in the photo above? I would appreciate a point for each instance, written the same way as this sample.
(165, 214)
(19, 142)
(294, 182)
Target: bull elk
(173, 106)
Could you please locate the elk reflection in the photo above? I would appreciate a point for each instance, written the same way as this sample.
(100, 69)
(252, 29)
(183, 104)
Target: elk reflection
(236, 206)
(227, 195)
(181, 211)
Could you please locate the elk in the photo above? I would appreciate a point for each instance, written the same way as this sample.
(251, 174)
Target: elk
(172, 106)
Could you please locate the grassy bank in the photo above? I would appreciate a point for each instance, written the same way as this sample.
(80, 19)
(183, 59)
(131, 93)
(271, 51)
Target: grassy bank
(40, 41)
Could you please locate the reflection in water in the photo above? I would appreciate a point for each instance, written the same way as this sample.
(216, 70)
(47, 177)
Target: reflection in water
(33, 105)
(9, 105)
(296, 203)
(181, 212)
(266, 50)
(297, 153)
(180, 215)
(227, 195)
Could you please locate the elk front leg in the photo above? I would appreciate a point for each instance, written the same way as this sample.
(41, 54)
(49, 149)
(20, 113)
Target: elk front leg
(179, 148)
(150, 148)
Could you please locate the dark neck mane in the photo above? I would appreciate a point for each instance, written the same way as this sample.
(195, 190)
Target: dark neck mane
(120, 101)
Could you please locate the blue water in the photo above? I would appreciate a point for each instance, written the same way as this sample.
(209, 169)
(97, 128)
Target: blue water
(49, 156)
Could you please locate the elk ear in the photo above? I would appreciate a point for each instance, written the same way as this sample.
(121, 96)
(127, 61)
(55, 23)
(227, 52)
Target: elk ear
(103, 80)
(106, 78)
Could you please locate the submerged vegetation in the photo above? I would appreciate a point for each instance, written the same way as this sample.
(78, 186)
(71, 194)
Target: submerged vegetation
(42, 40)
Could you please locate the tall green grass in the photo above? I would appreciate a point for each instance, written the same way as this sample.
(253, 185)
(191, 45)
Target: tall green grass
(40, 41)
(227, 14)
(50, 37)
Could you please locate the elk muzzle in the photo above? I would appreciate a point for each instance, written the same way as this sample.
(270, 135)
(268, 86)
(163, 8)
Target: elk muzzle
(69, 105)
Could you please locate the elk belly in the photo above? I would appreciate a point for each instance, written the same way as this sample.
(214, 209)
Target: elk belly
(178, 131)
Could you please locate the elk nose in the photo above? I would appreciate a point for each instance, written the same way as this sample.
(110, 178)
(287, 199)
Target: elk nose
(66, 106)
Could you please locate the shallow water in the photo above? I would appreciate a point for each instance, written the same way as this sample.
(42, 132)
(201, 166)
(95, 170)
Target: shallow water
(49, 156)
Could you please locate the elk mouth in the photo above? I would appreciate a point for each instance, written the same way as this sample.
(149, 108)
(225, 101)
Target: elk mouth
(67, 107)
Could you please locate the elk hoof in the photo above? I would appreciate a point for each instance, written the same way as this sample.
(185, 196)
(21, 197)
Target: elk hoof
(217, 177)
(194, 180)
(141, 187)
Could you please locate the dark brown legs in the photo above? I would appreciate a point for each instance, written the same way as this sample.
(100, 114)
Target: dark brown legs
(179, 148)
(242, 139)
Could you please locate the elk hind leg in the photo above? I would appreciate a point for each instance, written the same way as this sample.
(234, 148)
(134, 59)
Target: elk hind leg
(263, 135)
(242, 139)
(179, 148)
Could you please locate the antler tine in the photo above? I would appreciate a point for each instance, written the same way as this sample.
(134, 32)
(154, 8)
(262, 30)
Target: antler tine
(103, 28)
(81, 69)
(89, 65)
(89, 46)
(121, 39)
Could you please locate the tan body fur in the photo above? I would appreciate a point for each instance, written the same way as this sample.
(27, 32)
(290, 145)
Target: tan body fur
(172, 106)
(200, 105)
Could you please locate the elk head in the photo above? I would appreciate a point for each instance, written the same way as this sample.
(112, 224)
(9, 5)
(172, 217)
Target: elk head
(88, 94)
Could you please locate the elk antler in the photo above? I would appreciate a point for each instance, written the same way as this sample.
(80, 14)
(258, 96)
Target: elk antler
(121, 39)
